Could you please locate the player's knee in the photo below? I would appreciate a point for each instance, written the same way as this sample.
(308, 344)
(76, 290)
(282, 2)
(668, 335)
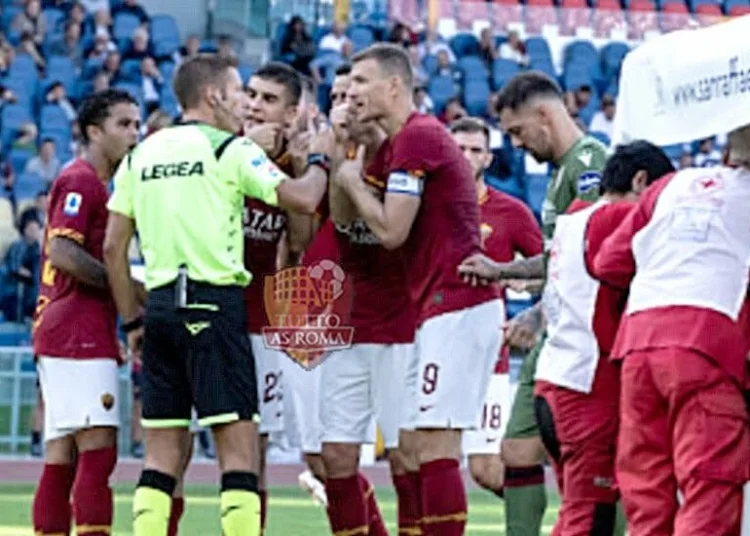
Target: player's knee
(96, 438)
(166, 450)
(487, 471)
(315, 463)
(399, 463)
(438, 445)
(341, 459)
(236, 446)
(522, 452)
(60, 451)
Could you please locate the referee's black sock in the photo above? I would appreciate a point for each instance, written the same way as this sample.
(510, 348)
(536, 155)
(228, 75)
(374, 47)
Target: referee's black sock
(152, 503)
(240, 504)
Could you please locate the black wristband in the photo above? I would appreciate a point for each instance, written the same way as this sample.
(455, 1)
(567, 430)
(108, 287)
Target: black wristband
(133, 325)
(321, 160)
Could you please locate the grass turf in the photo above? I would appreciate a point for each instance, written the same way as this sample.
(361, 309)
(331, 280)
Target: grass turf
(291, 512)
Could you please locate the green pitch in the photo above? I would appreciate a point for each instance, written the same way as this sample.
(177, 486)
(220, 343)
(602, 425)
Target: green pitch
(291, 512)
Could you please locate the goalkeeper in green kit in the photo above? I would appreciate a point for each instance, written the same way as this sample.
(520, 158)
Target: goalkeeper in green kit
(533, 114)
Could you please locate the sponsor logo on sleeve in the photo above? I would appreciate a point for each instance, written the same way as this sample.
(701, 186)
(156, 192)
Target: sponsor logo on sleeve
(588, 180)
(72, 204)
(405, 182)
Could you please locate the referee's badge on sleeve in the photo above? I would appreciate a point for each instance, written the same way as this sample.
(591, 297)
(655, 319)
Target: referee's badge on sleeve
(72, 204)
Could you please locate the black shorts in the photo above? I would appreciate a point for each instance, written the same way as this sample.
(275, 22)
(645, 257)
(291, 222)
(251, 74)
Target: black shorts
(197, 357)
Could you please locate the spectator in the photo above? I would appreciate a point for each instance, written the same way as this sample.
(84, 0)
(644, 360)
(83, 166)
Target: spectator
(603, 120)
(26, 138)
(433, 45)
(445, 65)
(112, 66)
(70, 44)
(103, 45)
(336, 39)
(57, 94)
(94, 6)
(139, 47)
(297, 45)
(21, 270)
(420, 74)
(454, 110)
(102, 20)
(77, 13)
(151, 82)
(28, 46)
(31, 21)
(708, 155)
(75, 139)
(101, 81)
(8, 178)
(401, 35)
(40, 207)
(191, 48)
(6, 96)
(422, 101)
(487, 47)
(226, 48)
(582, 97)
(326, 64)
(7, 54)
(46, 164)
(514, 49)
(133, 8)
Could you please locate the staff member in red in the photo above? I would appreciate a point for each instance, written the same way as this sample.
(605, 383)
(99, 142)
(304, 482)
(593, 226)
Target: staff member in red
(683, 420)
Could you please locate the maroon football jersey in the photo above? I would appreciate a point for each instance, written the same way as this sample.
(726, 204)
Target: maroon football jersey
(446, 228)
(381, 312)
(73, 320)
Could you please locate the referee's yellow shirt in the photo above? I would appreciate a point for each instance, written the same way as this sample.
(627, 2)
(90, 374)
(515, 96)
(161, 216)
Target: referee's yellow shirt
(185, 187)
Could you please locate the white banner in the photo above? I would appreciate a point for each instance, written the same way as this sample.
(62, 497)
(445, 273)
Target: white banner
(686, 85)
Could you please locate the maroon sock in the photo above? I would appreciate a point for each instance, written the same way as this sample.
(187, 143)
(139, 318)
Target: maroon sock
(51, 509)
(377, 526)
(444, 506)
(178, 507)
(347, 509)
(263, 508)
(409, 503)
(92, 496)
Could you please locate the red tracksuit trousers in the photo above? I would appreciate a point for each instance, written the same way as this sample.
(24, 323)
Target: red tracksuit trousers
(683, 425)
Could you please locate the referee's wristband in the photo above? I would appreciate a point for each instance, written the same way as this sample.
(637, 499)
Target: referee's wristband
(321, 160)
(133, 325)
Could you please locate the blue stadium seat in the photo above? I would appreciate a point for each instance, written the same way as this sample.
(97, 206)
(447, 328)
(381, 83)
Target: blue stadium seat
(537, 48)
(61, 69)
(91, 68)
(167, 69)
(123, 27)
(25, 89)
(54, 119)
(472, 68)
(430, 64)
(136, 91)
(165, 35)
(582, 50)
(11, 119)
(577, 75)
(130, 71)
(674, 151)
(28, 185)
(361, 36)
(612, 55)
(246, 71)
(23, 66)
(476, 96)
(544, 65)
(509, 185)
(464, 44)
(19, 158)
(601, 136)
(503, 71)
(55, 19)
(441, 89)
(168, 101)
(9, 13)
(536, 190)
(319, 33)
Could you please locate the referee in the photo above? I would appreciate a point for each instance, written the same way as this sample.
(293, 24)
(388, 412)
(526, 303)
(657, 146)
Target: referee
(183, 188)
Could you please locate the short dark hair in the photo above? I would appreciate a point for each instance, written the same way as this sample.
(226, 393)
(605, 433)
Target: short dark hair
(284, 75)
(526, 86)
(345, 69)
(628, 160)
(471, 125)
(195, 74)
(47, 140)
(393, 59)
(95, 108)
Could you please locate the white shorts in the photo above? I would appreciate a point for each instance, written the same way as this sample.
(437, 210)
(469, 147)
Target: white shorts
(365, 384)
(302, 405)
(495, 412)
(270, 385)
(78, 394)
(455, 356)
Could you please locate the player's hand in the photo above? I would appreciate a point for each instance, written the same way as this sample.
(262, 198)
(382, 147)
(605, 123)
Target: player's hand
(298, 149)
(478, 269)
(323, 140)
(135, 344)
(523, 329)
(268, 136)
(339, 117)
(349, 172)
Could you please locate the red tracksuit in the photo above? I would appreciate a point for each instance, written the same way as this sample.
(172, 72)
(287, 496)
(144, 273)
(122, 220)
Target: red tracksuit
(683, 421)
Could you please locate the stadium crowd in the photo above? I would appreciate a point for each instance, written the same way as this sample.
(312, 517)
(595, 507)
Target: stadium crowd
(372, 194)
